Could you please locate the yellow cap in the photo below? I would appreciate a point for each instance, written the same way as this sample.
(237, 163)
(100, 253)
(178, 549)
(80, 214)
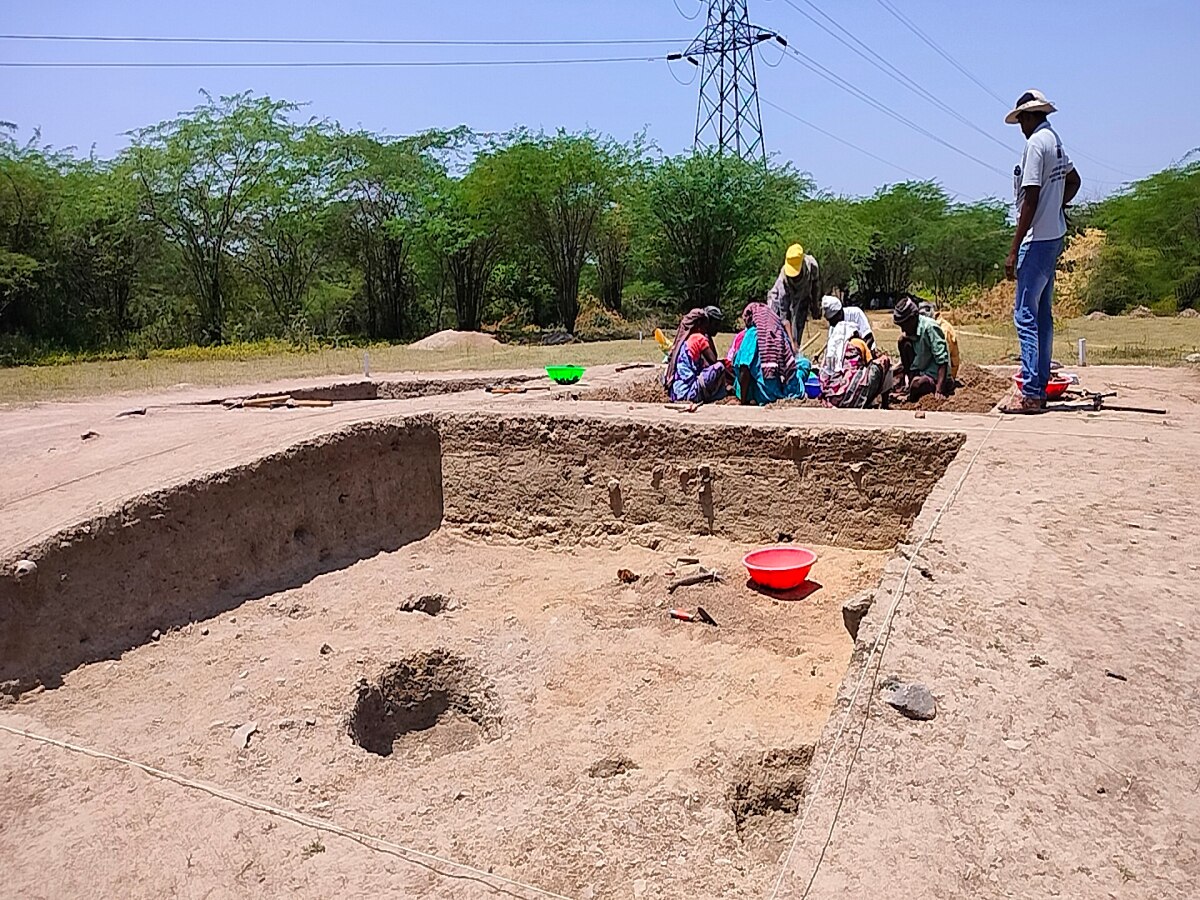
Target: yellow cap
(794, 262)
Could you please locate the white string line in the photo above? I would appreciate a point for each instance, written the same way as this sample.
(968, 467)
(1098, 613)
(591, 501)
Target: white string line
(880, 642)
(369, 841)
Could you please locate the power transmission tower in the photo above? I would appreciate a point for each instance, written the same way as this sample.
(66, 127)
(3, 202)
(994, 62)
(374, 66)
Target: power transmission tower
(729, 117)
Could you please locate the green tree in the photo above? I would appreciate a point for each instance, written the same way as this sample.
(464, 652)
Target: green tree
(207, 177)
(964, 246)
(383, 187)
(551, 192)
(1153, 228)
(898, 216)
(614, 244)
(710, 213)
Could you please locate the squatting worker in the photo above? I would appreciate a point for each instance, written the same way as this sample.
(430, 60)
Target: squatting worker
(924, 355)
(1045, 182)
(797, 293)
(836, 312)
(928, 309)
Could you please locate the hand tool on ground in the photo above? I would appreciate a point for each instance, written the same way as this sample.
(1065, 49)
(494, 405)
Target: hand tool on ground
(704, 576)
(629, 366)
(700, 615)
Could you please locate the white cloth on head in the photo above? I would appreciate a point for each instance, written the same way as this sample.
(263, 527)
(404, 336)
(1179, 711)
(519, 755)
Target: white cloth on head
(835, 350)
(859, 319)
(830, 306)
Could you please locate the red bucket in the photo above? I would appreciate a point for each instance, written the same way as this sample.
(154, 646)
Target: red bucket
(1054, 389)
(780, 568)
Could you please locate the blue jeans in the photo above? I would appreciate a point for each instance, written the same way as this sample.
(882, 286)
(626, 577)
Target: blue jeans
(1033, 313)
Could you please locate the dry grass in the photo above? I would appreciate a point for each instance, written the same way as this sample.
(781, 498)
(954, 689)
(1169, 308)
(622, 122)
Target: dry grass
(1157, 341)
(25, 384)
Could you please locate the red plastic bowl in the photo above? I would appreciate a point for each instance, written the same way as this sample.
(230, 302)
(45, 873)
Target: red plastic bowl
(1054, 389)
(780, 568)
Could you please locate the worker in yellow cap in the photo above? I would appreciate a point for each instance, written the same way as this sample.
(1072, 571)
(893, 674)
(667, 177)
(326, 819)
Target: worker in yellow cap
(797, 293)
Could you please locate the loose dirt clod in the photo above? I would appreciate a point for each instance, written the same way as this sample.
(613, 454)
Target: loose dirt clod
(430, 604)
(767, 792)
(418, 693)
(611, 766)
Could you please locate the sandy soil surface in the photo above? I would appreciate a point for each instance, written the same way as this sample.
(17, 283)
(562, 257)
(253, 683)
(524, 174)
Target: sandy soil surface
(1051, 614)
(621, 744)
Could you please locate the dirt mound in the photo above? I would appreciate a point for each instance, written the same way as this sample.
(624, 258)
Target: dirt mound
(457, 340)
(1140, 312)
(434, 692)
(1097, 316)
(979, 390)
(1074, 269)
(1190, 314)
(645, 390)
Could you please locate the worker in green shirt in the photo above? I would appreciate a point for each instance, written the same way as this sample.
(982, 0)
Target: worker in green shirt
(924, 354)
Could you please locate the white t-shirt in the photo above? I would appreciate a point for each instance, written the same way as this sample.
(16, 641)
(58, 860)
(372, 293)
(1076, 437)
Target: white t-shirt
(859, 320)
(1045, 164)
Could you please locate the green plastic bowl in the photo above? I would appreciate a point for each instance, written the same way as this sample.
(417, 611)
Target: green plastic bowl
(565, 374)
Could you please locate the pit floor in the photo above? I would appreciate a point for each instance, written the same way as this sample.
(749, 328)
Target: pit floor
(584, 669)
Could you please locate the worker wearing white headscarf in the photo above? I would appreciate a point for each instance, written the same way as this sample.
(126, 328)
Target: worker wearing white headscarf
(836, 312)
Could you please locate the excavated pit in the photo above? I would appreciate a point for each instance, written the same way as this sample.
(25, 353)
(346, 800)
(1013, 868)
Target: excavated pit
(187, 553)
(495, 588)
(438, 693)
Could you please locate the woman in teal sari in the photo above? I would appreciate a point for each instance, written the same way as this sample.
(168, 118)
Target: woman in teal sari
(765, 368)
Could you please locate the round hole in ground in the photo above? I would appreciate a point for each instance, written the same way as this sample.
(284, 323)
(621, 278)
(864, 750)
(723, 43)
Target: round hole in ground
(431, 703)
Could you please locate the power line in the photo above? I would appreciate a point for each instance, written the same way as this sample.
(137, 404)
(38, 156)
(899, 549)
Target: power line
(937, 48)
(879, 62)
(344, 64)
(835, 79)
(339, 42)
(841, 140)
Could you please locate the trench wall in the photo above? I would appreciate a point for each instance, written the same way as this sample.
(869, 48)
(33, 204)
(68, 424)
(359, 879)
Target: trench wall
(573, 478)
(188, 552)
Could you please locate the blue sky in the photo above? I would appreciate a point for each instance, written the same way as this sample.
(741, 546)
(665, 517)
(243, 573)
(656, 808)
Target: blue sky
(1124, 76)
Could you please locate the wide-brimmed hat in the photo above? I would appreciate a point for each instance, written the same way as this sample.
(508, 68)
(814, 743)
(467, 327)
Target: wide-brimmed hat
(794, 261)
(1030, 102)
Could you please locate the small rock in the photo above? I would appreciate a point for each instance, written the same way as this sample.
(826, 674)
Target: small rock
(297, 780)
(237, 690)
(627, 577)
(326, 649)
(310, 722)
(1192, 358)
(241, 737)
(204, 632)
(155, 634)
(911, 700)
(24, 568)
(88, 435)
(919, 414)
(285, 724)
(855, 610)
(640, 887)
(1101, 790)
(243, 674)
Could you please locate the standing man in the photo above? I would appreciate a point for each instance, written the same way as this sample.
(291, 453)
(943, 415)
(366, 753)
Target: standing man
(797, 293)
(1045, 182)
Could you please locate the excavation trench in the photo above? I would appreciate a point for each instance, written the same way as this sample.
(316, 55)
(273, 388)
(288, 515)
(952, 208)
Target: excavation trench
(471, 659)
(187, 553)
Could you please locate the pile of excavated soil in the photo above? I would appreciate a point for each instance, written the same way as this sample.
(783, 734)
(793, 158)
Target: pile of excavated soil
(1097, 316)
(457, 340)
(1190, 314)
(978, 391)
(1140, 312)
(644, 390)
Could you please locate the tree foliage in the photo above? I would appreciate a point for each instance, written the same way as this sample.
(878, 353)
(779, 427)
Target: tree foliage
(238, 220)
